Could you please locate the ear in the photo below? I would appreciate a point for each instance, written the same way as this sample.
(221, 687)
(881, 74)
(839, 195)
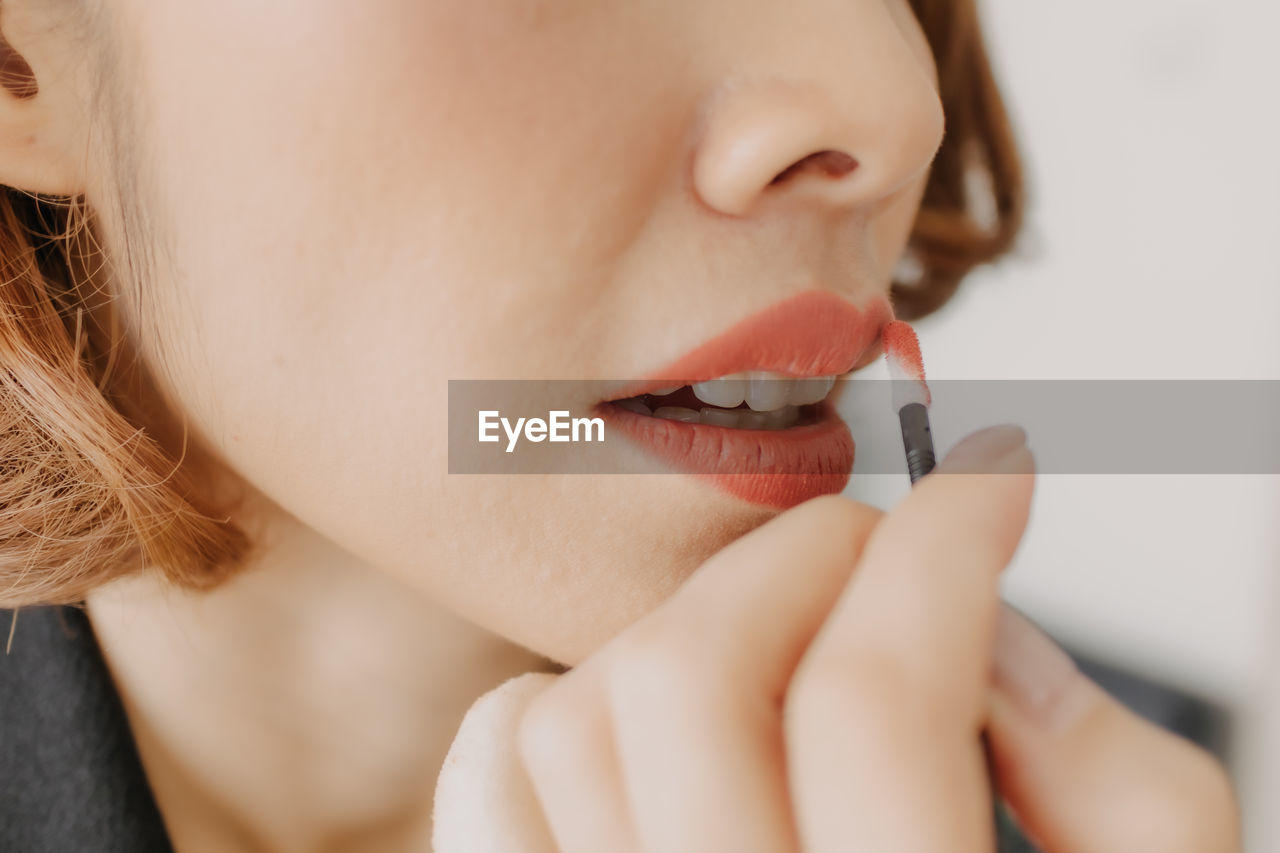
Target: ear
(41, 118)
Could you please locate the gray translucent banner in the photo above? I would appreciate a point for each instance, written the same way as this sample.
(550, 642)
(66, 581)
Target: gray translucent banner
(1073, 426)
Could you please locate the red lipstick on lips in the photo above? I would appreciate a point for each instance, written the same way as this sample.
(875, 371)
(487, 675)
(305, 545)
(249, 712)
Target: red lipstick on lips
(815, 333)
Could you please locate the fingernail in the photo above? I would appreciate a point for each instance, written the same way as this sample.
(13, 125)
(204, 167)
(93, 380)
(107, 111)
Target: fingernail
(1032, 671)
(986, 451)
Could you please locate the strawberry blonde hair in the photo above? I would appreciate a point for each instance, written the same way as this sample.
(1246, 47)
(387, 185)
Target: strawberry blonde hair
(94, 482)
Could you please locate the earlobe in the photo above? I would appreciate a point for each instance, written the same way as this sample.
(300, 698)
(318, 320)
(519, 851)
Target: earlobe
(36, 149)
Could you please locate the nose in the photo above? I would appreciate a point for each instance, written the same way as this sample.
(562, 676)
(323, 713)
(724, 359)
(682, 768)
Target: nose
(846, 117)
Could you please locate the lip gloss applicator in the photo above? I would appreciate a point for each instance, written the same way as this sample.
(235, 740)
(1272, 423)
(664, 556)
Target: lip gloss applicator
(911, 400)
(911, 396)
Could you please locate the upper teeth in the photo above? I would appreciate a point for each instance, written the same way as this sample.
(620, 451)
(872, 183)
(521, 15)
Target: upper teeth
(763, 391)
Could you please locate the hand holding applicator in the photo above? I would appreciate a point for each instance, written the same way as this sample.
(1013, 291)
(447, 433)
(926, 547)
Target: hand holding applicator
(911, 400)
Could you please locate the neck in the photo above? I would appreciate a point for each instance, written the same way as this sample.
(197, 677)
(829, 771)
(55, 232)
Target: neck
(306, 704)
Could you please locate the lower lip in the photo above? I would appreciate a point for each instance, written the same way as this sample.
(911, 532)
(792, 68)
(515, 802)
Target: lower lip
(774, 468)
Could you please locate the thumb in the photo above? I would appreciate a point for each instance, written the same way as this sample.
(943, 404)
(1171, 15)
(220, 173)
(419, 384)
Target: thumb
(1083, 773)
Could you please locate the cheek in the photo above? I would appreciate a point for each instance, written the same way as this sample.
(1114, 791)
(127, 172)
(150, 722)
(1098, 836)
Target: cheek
(336, 252)
(446, 197)
(340, 245)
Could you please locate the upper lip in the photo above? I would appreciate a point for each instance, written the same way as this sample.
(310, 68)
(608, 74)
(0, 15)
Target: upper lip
(814, 333)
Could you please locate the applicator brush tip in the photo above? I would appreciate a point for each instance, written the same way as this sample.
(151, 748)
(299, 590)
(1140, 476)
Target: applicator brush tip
(906, 367)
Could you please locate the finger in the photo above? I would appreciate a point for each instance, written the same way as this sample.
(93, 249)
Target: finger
(896, 678)
(567, 745)
(697, 687)
(1083, 773)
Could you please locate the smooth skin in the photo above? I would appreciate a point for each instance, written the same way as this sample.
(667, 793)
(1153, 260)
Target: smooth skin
(751, 712)
(347, 203)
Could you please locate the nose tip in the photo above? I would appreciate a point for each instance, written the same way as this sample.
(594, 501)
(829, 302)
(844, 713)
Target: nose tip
(844, 124)
(798, 142)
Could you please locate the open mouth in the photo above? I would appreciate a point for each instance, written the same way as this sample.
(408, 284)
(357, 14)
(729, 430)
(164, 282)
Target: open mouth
(751, 410)
(758, 400)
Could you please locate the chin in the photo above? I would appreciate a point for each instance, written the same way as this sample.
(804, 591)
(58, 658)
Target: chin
(606, 557)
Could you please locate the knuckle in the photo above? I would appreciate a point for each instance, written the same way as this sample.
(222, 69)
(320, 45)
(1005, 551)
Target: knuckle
(870, 690)
(666, 663)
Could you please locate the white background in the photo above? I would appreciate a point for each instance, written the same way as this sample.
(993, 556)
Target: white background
(1151, 130)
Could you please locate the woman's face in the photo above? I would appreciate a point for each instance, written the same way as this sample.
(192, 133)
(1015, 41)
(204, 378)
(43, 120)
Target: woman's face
(355, 202)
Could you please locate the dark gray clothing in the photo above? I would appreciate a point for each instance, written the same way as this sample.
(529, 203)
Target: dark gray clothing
(70, 777)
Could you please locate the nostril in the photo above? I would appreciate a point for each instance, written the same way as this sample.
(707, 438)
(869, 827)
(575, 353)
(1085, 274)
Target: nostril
(833, 164)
